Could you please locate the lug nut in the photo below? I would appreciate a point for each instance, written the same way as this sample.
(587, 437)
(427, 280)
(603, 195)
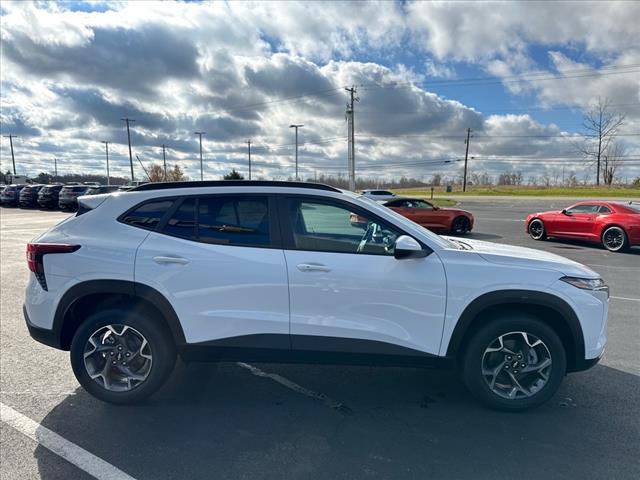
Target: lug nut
(119, 348)
(509, 357)
(111, 353)
(506, 367)
(519, 357)
(124, 363)
(114, 362)
(515, 371)
(127, 354)
(522, 365)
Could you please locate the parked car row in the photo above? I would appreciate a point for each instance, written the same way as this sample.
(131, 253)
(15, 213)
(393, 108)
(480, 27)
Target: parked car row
(55, 196)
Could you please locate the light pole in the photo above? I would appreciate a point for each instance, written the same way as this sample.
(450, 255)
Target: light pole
(296, 127)
(127, 120)
(106, 151)
(201, 165)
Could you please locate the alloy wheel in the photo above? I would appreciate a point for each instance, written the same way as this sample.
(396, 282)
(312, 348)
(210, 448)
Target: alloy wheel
(536, 229)
(516, 365)
(461, 225)
(613, 238)
(118, 357)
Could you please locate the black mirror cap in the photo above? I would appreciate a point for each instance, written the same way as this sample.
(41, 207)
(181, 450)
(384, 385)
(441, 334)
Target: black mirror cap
(564, 212)
(400, 254)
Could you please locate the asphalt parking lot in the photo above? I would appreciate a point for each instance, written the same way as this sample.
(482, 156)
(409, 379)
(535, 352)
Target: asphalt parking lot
(238, 421)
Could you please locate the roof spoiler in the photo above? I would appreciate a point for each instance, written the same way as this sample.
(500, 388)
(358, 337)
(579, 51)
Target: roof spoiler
(89, 202)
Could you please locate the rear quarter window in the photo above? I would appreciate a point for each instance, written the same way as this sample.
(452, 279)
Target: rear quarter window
(147, 215)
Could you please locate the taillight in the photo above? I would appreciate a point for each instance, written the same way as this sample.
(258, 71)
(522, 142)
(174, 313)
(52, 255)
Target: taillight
(36, 252)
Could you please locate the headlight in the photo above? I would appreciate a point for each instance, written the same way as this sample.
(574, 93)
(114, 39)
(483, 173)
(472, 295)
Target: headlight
(587, 283)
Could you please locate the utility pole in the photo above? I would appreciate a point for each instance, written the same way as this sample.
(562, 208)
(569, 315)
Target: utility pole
(106, 151)
(466, 158)
(351, 150)
(249, 147)
(164, 160)
(55, 167)
(296, 127)
(129, 140)
(11, 137)
(201, 164)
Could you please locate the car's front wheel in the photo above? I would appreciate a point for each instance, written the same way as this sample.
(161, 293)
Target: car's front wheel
(461, 226)
(615, 239)
(536, 230)
(513, 363)
(122, 355)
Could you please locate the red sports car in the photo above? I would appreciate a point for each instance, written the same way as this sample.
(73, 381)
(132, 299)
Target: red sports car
(432, 217)
(614, 224)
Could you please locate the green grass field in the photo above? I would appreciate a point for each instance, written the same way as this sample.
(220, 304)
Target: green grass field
(591, 192)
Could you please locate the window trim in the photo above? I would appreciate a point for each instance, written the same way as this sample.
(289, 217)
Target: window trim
(274, 230)
(288, 242)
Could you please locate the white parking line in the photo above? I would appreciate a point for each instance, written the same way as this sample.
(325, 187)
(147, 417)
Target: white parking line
(62, 447)
(297, 388)
(627, 299)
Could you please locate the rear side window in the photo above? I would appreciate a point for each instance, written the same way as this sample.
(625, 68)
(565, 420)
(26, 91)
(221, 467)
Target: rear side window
(234, 221)
(183, 221)
(147, 215)
(604, 209)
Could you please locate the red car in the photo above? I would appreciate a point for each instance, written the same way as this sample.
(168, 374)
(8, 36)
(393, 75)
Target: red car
(432, 217)
(615, 225)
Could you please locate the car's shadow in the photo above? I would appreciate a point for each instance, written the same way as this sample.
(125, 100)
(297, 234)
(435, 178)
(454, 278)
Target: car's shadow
(570, 244)
(220, 421)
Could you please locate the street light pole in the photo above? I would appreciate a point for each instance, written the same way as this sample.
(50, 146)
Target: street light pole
(201, 164)
(106, 151)
(127, 120)
(296, 127)
(11, 137)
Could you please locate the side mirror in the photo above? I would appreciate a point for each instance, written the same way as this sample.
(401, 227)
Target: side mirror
(407, 247)
(564, 212)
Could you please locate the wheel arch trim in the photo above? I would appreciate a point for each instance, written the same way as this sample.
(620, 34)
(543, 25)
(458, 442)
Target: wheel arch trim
(511, 297)
(135, 290)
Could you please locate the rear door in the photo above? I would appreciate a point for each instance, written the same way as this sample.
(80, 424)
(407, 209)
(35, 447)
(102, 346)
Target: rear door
(347, 291)
(218, 260)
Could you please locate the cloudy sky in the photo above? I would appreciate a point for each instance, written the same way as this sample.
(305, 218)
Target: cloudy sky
(520, 75)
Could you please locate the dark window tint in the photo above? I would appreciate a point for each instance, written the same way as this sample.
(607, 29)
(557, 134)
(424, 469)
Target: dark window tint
(332, 228)
(604, 209)
(584, 209)
(147, 215)
(183, 221)
(234, 220)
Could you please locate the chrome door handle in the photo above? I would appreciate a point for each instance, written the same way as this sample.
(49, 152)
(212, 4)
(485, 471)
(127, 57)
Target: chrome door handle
(312, 267)
(162, 260)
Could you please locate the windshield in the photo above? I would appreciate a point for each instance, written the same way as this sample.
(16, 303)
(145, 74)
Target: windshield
(402, 220)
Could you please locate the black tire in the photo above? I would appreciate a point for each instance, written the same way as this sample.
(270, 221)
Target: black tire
(160, 344)
(538, 232)
(505, 325)
(615, 239)
(460, 225)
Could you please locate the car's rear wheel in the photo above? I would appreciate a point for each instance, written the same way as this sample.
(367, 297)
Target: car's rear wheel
(461, 225)
(537, 230)
(122, 355)
(514, 363)
(615, 239)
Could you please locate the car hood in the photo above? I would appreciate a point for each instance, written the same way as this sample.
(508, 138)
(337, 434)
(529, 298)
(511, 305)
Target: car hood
(527, 258)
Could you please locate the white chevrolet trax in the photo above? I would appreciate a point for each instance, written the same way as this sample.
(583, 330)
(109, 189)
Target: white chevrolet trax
(277, 272)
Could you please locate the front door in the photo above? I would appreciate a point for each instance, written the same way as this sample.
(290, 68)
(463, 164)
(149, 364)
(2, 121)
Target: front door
(347, 291)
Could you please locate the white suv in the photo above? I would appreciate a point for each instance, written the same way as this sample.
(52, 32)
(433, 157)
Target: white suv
(276, 271)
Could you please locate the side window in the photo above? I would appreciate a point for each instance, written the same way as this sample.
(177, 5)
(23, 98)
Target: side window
(325, 227)
(234, 220)
(148, 214)
(604, 209)
(183, 221)
(584, 209)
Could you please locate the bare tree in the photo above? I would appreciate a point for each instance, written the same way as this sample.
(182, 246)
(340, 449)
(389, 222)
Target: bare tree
(601, 125)
(612, 160)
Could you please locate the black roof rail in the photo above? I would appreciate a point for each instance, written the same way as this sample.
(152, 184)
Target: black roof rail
(232, 183)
